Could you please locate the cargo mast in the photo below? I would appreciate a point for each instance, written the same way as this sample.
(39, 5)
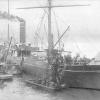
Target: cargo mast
(50, 35)
(8, 21)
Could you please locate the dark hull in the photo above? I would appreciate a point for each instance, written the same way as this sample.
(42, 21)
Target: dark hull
(83, 76)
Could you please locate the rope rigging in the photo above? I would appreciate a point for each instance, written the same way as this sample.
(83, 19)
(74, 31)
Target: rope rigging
(57, 29)
(62, 35)
(38, 28)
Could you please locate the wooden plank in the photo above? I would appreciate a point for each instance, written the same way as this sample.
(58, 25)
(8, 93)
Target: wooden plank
(42, 86)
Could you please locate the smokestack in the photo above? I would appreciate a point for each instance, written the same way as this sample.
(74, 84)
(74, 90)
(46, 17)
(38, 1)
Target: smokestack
(5, 15)
(22, 31)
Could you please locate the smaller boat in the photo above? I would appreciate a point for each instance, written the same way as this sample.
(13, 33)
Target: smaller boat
(40, 86)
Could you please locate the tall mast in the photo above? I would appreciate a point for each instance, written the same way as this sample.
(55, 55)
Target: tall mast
(8, 21)
(50, 35)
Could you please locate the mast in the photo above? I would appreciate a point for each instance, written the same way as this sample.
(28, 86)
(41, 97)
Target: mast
(8, 21)
(50, 36)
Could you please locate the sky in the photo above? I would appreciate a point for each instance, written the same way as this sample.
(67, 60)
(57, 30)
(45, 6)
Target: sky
(83, 36)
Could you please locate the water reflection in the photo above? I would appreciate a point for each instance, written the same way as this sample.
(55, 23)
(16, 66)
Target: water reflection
(18, 90)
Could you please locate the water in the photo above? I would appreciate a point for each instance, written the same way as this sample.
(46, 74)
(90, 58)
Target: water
(18, 90)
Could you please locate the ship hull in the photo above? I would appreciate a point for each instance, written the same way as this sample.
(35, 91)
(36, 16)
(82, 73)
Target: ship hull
(77, 78)
(74, 76)
(86, 77)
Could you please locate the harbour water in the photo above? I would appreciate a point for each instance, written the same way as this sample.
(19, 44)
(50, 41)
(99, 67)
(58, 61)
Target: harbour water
(17, 89)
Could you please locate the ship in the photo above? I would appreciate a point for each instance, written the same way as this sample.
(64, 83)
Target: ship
(84, 76)
(50, 72)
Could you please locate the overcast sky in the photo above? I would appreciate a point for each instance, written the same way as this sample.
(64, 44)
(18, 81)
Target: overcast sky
(84, 34)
